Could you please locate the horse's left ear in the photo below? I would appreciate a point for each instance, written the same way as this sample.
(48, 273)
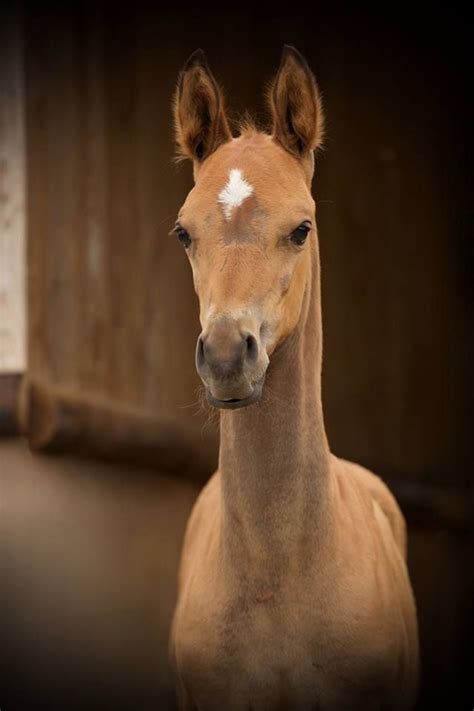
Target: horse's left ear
(200, 118)
(298, 121)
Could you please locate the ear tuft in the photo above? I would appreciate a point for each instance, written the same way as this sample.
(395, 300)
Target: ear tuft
(196, 59)
(298, 123)
(200, 120)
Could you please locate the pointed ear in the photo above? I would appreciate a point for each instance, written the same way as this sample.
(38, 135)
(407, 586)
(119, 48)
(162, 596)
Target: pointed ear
(200, 121)
(298, 122)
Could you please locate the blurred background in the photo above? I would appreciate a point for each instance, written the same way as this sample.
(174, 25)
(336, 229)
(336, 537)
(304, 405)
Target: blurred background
(104, 444)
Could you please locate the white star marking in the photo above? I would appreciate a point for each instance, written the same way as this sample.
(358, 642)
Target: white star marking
(235, 191)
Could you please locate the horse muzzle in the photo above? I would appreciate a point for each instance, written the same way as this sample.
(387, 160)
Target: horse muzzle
(231, 363)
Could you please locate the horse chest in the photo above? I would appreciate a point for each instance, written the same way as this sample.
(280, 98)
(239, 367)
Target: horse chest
(242, 659)
(264, 653)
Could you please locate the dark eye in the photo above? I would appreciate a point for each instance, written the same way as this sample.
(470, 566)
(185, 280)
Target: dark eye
(183, 236)
(299, 235)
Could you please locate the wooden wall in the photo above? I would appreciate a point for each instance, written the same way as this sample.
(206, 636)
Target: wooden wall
(394, 237)
(111, 303)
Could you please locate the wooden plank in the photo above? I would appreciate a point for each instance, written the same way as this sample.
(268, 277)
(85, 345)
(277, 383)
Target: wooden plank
(94, 309)
(54, 198)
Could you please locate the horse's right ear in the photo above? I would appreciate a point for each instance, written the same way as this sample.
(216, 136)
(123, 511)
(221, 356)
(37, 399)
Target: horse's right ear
(296, 105)
(199, 114)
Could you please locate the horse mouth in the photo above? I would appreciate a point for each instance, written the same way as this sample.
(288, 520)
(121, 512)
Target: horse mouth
(236, 403)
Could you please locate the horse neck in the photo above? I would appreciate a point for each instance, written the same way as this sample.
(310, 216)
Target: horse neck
(274, 456)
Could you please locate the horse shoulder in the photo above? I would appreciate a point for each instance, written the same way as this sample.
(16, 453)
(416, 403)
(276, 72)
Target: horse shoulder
(371, 488)
(374, 524)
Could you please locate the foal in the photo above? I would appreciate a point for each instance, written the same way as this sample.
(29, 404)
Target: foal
(293, 589)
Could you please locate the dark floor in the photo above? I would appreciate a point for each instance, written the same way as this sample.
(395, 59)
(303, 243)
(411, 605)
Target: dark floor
(88, 561)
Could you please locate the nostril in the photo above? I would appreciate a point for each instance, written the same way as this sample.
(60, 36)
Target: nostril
(252, 347)
(200, 356)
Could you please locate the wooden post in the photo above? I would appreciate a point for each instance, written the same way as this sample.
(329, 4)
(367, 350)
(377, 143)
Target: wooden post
(59, 420)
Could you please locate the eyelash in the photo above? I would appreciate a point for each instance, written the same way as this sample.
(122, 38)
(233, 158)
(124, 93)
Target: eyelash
(183, 235)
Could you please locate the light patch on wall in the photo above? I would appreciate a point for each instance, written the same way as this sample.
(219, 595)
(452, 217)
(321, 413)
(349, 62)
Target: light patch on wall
(12, 198)
(235, 191)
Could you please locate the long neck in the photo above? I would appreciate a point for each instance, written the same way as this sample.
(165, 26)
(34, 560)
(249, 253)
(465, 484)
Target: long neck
(274, 456)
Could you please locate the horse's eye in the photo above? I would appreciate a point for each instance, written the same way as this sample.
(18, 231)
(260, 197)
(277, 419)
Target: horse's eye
(299, 235)
(183, 236)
